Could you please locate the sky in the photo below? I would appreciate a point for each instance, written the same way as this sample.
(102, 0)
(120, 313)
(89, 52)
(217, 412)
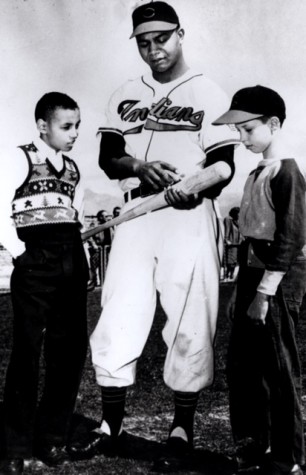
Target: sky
(82, 48)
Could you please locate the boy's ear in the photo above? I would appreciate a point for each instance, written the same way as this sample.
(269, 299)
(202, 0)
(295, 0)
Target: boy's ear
(181, 35)
(274, 123)
(41, 126)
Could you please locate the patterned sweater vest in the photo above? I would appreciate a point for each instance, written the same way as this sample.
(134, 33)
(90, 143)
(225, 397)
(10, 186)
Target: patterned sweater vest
(46, 195)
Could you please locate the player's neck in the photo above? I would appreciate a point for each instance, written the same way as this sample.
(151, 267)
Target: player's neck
(177, 70)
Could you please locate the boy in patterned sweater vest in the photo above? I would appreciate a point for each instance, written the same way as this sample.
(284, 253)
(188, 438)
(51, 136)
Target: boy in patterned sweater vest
(41, 191)
(264, 373)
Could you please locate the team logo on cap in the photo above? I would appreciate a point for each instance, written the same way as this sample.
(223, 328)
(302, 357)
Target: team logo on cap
(149, 13)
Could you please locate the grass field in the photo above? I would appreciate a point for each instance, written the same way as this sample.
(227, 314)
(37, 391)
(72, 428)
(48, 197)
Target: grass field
(149, 404)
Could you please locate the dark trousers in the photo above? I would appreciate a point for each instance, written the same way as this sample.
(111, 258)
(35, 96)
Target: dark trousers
(48, 289)
(264, 373)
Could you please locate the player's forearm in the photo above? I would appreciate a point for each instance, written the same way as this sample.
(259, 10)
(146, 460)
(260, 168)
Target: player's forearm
(225, 154)
(113, 158)
(120, 168)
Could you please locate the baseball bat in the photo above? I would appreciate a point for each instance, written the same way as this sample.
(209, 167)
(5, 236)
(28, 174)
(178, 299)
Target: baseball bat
(199, 181)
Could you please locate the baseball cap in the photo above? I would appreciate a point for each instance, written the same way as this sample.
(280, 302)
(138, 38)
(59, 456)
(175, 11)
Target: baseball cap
(251, 103)
(154, 16)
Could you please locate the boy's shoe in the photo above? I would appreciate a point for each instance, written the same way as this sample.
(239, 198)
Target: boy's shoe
(273, 469)
(52, 455)
(11, 466)
(176, 451)
(247, 464)
(96, 443)
(251, 456)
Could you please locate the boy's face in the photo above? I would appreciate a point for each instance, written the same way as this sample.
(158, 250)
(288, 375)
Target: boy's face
(255, 135)
(161, 49)
(61, 129)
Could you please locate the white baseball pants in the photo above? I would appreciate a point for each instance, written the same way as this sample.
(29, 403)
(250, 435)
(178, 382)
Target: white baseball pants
(175, 253)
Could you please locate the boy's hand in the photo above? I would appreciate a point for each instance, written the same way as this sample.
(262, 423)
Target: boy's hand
(259, 308)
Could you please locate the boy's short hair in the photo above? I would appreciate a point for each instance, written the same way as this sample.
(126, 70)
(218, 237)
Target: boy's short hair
(51, 101)
(253, 103)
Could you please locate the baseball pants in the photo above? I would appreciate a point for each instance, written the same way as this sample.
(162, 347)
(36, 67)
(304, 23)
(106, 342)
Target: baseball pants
(173, 252)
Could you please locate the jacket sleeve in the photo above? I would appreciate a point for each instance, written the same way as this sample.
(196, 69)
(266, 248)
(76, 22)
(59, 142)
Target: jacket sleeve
(288, 195)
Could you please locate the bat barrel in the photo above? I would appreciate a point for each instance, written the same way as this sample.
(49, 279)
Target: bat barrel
(195, 183)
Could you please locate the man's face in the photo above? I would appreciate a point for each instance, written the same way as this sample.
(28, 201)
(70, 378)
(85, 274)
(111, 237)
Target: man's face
(61, 129)
(161, 49)
(102, 217)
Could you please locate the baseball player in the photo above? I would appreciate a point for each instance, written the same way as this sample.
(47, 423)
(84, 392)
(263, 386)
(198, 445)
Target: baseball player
(157, 129)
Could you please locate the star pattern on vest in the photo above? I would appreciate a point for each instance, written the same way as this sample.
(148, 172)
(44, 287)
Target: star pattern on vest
(30, 147)
(43, 185)
(28, 204)
(67, 189)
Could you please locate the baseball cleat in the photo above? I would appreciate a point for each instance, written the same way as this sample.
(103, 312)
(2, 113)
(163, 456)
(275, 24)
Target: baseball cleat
(96, 443)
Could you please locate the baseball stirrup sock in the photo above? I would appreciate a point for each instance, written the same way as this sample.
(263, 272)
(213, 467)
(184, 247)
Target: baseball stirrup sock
(185, 407)
(113, 403)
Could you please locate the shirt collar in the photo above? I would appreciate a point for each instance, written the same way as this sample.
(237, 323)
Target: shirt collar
(44, 151)
(149, 79)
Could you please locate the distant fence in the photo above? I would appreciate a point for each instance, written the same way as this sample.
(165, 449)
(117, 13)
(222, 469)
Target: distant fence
(6, 268)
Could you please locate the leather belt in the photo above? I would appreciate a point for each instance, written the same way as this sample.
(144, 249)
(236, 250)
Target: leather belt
(141, 190)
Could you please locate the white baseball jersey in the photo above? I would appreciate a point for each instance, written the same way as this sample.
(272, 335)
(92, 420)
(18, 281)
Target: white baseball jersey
(169, 122)
(170, 251)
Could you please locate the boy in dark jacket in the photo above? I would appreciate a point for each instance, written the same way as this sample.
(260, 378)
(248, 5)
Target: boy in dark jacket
(263, 364)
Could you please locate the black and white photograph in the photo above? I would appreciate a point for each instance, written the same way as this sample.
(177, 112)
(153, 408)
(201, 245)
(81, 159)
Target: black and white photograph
(152, 237)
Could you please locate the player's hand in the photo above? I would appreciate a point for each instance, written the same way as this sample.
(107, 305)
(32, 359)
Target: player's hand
(158, 174)
(179, 200)
(258, 309)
